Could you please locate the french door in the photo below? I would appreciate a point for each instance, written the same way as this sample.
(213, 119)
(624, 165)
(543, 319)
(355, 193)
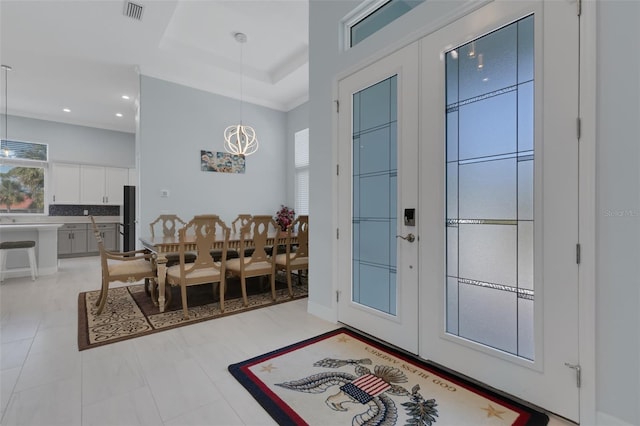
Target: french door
(378, 250)
(458, 200)
(499, 200)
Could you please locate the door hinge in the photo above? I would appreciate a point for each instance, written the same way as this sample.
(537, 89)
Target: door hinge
(337, 169)
(578, 128)
(337, 106)
(578, 370)
(578, 249)
(337, 296)
(337, 233)
(579, 5)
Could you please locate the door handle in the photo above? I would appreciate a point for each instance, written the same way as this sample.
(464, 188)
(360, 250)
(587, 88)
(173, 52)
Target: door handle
(410, 237)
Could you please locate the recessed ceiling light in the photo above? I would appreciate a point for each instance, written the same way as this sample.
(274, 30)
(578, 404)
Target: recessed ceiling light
(118, 114)
(66, 109)
(125, 97)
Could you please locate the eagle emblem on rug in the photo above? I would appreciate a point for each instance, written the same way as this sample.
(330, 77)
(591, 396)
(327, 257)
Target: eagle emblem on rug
(369, 391)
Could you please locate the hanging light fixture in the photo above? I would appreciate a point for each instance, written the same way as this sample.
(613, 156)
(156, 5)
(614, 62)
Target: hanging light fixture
(5, 150)
(240, 139)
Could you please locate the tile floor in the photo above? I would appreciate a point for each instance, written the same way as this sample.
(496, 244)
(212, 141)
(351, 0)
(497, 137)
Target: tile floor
(177, 377)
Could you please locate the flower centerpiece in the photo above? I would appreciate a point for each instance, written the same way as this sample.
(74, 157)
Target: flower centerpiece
(284, 217)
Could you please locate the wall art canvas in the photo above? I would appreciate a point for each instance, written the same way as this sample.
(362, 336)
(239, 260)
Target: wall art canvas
(221, 162)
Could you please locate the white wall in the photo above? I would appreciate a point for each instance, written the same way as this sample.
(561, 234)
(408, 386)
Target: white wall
(618, 180)
(75, 144)
(176, 123)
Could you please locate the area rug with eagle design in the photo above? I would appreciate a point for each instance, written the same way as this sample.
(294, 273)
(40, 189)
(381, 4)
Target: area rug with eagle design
(344, 378)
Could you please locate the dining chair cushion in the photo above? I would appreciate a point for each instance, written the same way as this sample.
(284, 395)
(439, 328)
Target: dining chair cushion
(234, 265)
(130, 267)
(210, 273)
(302, 262)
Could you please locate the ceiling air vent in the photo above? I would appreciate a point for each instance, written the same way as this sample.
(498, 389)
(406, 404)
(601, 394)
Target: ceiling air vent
(133, 10)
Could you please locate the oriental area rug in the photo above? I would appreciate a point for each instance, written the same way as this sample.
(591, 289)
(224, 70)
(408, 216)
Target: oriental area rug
(130, 313)
(344, 378)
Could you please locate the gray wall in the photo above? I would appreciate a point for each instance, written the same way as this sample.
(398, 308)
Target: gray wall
(618, 210)
(75, 144)
(176, 123)
(618, 181)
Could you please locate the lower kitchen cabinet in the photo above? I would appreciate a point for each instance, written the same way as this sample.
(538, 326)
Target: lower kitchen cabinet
(77, 239)
(109, 234)
(72, 240)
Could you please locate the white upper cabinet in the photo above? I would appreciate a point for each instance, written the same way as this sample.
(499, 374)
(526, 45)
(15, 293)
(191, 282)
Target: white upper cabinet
(66, 184)
(92, 184)
(86, 184)
(115, 180)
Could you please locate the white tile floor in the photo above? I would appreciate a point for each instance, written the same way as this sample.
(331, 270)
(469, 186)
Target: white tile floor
(176, 377)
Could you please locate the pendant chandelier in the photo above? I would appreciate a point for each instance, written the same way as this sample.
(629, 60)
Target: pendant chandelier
(5, 150)
(240, 139)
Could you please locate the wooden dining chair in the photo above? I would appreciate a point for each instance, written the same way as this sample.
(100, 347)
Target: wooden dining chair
(297, 260)
(130, 266)
(254, 236)
(207, 232)
(239, 222)
(236, 226)
(169, 225)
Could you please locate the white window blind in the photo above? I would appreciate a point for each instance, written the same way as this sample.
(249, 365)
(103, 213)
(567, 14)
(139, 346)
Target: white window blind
(302, 171)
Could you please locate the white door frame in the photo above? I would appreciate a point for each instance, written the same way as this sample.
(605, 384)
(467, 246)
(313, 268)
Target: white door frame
(587, 219)
(400, 329)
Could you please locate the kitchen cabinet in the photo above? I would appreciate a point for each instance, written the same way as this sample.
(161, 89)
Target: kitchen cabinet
(72, 240)
(102, 185)
(87, 184)
(66, 183)
(77, 239)
(110, 236)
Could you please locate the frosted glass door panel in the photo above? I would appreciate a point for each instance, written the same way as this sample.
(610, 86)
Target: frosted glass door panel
(375, 196)
(375, 148)
(489, 63)
(488, 127)
(488, 253)
(495, 327)
(490, 189)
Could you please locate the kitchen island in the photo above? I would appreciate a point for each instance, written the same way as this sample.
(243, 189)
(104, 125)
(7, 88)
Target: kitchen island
(46, 237)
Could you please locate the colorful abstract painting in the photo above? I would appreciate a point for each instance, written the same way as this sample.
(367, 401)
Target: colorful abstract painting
(221, 162)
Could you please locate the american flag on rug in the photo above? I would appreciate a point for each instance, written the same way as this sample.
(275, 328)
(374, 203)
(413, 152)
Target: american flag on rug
(365, 388)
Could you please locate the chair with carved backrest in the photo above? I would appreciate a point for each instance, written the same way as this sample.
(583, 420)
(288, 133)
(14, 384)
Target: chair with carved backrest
(297, 260)
(206, 231)
(131, 266)
(254, 236)
(239, 222)
(169, 225)
(236, 226)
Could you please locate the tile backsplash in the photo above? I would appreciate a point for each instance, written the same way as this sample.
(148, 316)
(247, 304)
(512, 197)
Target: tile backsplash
(78, 210)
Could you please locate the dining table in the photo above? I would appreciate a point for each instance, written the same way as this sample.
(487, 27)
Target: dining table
(161, 246)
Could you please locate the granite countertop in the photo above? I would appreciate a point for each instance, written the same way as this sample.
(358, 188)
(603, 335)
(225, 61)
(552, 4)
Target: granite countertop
(23, 219)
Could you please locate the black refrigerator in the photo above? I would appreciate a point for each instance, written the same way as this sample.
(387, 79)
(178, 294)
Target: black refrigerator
(128, 224)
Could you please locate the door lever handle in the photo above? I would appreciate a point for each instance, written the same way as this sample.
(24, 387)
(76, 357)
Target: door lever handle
(410, 237)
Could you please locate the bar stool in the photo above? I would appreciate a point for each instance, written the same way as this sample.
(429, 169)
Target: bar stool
(28, 246)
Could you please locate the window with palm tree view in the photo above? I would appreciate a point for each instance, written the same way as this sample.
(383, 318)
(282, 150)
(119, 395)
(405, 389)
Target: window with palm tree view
(22, 177)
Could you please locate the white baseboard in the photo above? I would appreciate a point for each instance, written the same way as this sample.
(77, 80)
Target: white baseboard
(322, 311)
(603, 419)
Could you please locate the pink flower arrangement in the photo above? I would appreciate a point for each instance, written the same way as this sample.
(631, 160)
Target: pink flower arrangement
(284, 217)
